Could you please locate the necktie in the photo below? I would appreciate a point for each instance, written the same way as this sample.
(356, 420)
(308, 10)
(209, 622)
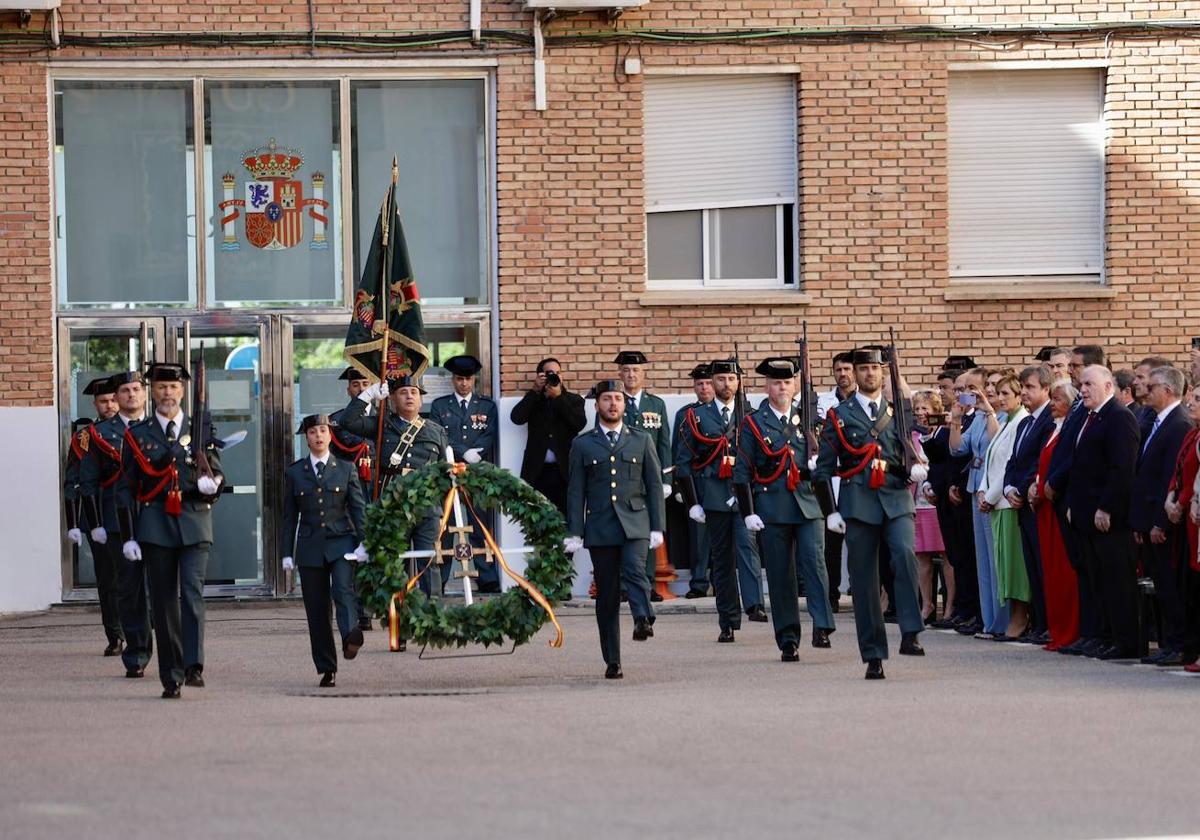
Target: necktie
(725, 414)
(871, 409)
(1150, 437)
(320, 468)
(1091, 416)
(463, 403)
(1021, 430)
(170, 431)
(612, 438)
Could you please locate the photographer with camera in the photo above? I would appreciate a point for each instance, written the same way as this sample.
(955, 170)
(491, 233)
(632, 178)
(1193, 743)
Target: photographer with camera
(554, 416)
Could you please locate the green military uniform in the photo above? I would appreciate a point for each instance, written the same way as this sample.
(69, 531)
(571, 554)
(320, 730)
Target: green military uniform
(876, 502)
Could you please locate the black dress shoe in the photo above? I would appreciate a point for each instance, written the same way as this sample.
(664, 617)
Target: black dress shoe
(1172, 659)
(613, 671)
(641, 630)
(655, 597)
(789, 653)
(1004, 637)
(1153, 658)
(820, 638)
(909, 646)
(726, 636)
(135, 673)
(969, 628)
(366, 625)
(696, 593)
(192, 677)
(757, 613)
(171, 692)
(874, 670)
(1116, 652)
(1094, 647)
(114, 648)
(328, 679)
(352, 642)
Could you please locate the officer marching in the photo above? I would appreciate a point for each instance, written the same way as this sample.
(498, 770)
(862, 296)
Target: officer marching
(775, 496)
(358, 450)
(323, 507)
(698, 549)
(471, 422)
(83, 513)
(100, 473)
(861, 445)
(615, 510)
(164, 509)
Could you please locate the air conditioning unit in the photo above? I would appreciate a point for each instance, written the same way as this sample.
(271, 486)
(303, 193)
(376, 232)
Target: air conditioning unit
(611, 6)
(29, 5)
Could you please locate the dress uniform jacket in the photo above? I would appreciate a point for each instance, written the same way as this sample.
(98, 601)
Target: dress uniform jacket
(614, 492)
(774, 503)
(322, 514)
(428, 445)
(154, 525)
(100, 471)
(712, 491)
(77, 453)
(346, 443)
(650, 416)
(476, 428)
(856, 498)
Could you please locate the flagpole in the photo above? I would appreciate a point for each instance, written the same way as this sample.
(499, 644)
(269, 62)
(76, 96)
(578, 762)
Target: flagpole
(385, 292)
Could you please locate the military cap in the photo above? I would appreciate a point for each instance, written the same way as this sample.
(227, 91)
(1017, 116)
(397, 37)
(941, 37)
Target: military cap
(404, 381)
(79, 424)
(125, 377)
(352, 373)
(605, 386)
(631, 357)
(958, 363)
(868, 356)
(778, 367)
(315, 420)
(702, 371)
(844, 358)
(725, 366)
(463, 365)
(100, 387)
(166, 372)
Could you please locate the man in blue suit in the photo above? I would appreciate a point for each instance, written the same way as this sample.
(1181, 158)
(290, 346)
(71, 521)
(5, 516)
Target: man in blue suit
(1021, 472)
(1098, 491)
(1152, 530)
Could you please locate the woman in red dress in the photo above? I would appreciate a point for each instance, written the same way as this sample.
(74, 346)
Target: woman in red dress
(1180, 500)
(1061, 587)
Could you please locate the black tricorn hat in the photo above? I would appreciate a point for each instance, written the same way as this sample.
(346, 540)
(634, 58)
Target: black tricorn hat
(605, 386)
(868, 356)
(778, 367)
(958, 363)
(81, 423)
(125, 377)
(725, 366)
(631, 357)
(463, 365)
(315, 420)
(702, 371)
(404, 380)
(100, 387)
(352, 373)
(166, 372)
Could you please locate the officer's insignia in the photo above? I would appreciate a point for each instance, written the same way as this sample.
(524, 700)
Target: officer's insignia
(83, 438)
(479, 422)
(795, 419)
(651, 420)
(184, 440)
(273, 201)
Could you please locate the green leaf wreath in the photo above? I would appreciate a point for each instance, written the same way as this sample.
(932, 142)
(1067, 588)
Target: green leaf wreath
(513, 615)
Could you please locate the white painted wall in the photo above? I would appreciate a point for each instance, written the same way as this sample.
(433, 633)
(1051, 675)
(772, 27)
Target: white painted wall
(30, 561)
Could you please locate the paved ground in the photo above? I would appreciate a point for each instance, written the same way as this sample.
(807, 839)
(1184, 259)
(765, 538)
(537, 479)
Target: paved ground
(699, 740)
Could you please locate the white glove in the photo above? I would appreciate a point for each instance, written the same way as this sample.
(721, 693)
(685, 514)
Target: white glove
(373, 393)
(75, 536)
(360, 554)
(666, 491)
(754, 523)
(132, 551)
(288, 564)
(812, 463)
(572, 544)
(696, 514)
(679, 498)
(208, 486)
(99, 534)
(835, 523)
(471, 456)
(656, 539)
(918, 473)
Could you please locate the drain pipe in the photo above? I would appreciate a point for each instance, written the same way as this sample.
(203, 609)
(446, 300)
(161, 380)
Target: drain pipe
(476, 20)
(539, 63)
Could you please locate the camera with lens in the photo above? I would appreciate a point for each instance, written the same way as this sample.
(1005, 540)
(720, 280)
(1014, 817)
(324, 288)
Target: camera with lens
(553, 379)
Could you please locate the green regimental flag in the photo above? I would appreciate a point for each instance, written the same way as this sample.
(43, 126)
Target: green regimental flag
(387, 297)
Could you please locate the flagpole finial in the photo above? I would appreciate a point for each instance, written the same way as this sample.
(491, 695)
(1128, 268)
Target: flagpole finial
(395, 170)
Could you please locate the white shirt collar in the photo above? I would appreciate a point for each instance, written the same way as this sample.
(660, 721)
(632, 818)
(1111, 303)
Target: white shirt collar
(129, 421)
(1100, 407)
(162, 422)
(717, 402)
(1162, 415)
(315, 460)
(604, 430)
(782, 418)
(459, 399)
(865, 402)
(1037, 412)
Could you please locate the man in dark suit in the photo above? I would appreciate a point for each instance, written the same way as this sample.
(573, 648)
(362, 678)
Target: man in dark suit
(1020, 474)
(323, 506)
(615, 510)
(1152, 530)
(1141, 390)
(173, 499)
(1097, 497)
(554, 416)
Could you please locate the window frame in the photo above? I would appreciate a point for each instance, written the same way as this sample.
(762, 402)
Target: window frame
(708, 246)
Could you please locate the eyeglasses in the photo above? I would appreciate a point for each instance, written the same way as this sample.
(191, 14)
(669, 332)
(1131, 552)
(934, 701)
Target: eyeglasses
(1150, 386)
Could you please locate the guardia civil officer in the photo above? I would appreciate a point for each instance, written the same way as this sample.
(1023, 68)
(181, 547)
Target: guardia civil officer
(647, 412)
(164, 506)
(471, 422)
(775, 496)
(359, 450)
(615, 511)
(698, 549)
(323, 506)
(100, 473)
(860, 444)
(83, 514)
(409, 442)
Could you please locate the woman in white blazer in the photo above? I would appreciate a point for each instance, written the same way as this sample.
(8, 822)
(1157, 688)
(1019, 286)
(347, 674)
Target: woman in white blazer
(1009, 580)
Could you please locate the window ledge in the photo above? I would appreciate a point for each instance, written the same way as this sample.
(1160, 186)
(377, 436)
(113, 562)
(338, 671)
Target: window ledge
(1000, 289)
(723, 297)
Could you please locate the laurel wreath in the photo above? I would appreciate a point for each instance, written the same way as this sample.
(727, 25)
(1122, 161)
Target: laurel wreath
(490, 621)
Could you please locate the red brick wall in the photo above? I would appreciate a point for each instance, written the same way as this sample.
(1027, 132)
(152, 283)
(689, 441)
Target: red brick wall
(873, 184)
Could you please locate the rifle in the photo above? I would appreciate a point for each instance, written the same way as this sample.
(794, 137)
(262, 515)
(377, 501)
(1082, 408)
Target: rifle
(199, 421)
(901, 416)
(739, 405)
(806, 420)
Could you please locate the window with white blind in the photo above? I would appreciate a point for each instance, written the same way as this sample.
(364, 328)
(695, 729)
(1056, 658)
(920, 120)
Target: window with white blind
(720, 174)
(1026, 152)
